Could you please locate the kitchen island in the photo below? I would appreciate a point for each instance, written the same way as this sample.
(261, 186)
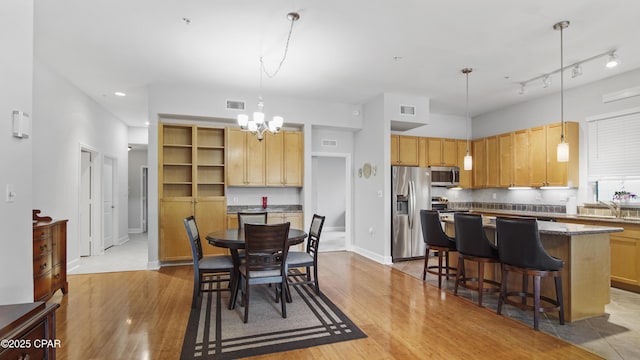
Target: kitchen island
(585, 251)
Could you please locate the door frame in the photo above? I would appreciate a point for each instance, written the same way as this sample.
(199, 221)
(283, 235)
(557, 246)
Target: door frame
(348, 218)
(114, 200)
(95, 215)
(144, 198)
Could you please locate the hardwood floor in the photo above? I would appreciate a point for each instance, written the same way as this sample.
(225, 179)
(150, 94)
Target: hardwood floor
(143, 315)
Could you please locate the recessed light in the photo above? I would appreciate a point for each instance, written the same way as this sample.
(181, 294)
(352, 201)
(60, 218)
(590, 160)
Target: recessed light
(119, 93)
(146, 123)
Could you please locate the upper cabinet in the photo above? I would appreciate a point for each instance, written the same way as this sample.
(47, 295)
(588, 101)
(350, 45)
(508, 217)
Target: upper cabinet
(277, 160)
(284, 159)
(442, 152)
(526, 158)
(246, 159)
(404, 150)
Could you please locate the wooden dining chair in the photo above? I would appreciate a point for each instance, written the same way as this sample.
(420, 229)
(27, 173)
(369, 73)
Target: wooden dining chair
(266, 248)
(206, 268)
(307, 259)
(251, 218)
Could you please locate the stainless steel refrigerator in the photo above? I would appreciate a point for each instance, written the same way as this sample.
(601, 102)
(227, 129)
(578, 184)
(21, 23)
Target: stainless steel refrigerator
(411, 192)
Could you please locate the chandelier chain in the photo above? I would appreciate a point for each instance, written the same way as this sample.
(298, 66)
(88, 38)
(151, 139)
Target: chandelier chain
(284, 55)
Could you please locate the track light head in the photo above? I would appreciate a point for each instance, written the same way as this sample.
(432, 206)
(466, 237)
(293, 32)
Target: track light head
(612, 60)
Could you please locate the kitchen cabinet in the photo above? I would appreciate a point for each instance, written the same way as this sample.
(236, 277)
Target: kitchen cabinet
(538, 156)
(521, 158)
(404, 150)
(442, 152)
(296, 220)
(191, 183)
(563, 174)
(246, 159)
(284, 159)
(505, 160)
(465, 175)
(479, 163)
(493, 168)
(545, 170)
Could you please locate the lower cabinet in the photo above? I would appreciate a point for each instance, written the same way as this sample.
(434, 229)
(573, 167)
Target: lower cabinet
(210, 216)
(625, 258)
(32, 327)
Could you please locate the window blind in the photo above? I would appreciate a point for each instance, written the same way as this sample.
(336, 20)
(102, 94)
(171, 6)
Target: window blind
(614, 147)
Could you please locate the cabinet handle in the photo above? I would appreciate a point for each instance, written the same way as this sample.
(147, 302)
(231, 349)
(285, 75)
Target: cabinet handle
(43, 247)
(24, 356)
(43, 266)
(56, 276)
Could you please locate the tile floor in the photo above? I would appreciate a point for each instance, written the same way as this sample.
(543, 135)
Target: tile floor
(129, 256)
(615, 335)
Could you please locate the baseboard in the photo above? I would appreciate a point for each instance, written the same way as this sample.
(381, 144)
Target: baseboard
(73, 264)
(135, 231)
(153, 265)
(122, 240)
(371, 255)
(333, 228)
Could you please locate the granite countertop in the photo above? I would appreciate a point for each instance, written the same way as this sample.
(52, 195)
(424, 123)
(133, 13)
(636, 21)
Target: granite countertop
(601, 218)
(549, 227)
(233, 209)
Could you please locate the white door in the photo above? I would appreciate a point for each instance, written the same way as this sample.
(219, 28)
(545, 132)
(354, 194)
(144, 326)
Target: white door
(85, 203)
(108, 203)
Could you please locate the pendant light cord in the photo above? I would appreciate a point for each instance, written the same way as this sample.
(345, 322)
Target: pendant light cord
(561, 85)
(293, 17)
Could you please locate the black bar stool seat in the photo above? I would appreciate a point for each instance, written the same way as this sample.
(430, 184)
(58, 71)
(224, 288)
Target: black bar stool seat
(438, 242)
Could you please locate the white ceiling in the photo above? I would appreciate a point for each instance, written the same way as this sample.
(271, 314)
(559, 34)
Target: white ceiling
(341, 50)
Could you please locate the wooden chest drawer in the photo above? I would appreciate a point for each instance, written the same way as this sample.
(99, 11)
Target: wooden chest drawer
(39, 332)
(41, 265)
(42, 286)
(41, 247)
(41, 233)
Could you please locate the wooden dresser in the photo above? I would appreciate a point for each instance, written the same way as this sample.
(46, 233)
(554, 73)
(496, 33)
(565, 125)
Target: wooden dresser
(28, 331)
(49, 256)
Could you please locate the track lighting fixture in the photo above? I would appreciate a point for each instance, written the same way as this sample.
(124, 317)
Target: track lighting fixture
(612, 60)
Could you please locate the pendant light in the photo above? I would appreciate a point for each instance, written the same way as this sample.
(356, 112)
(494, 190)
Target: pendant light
(468, 161)
(563, 148)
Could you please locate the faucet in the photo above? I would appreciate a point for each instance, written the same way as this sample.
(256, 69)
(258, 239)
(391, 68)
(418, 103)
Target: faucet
(614, 207)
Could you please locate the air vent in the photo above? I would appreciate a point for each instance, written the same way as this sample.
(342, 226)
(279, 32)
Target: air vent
(408, 110)
(329, 143)
(235, 105)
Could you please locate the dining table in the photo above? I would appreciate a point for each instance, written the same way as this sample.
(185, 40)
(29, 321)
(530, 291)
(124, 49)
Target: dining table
(233, 239)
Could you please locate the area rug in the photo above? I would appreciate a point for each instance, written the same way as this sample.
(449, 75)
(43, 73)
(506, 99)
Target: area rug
(215, 332)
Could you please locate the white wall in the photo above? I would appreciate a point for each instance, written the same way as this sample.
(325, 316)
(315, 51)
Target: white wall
(138, 135)
(372, 212)
(64, 118)
(441, 125)
(137, 159)
(16, 38)
(329, 190)
(579, 103)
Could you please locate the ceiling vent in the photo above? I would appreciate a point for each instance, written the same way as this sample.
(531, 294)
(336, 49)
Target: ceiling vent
(235, 105)
(408, 110)
(329, 143)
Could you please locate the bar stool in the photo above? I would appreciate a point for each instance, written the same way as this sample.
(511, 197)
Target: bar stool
(436, 241)
(473, 245)
(521, 252)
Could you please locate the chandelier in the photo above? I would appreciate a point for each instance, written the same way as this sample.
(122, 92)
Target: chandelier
(257, 124)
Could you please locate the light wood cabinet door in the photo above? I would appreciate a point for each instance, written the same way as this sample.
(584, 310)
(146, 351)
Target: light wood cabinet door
(625, 256)
(521, 158)
(434, 151)
(479, 163)
(449, 152)
(174, 243)
(537, 156)
(284, 159)
(245, 159)
(404, 150)
(505, 160)
(235, 157)
(465, 175)
(211, 215)
(492, 162)
(562, 174)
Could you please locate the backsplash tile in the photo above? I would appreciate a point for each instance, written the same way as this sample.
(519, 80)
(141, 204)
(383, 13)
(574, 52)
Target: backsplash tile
(541, 208)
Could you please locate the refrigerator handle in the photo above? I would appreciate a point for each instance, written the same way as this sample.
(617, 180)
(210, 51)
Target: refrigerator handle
(411, 200)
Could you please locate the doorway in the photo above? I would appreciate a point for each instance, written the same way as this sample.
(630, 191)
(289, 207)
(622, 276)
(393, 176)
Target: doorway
(88, 182)
(331, 197)
(108, 201)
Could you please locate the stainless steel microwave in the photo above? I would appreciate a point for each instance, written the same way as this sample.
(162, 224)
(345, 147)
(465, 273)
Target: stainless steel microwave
(447, 176)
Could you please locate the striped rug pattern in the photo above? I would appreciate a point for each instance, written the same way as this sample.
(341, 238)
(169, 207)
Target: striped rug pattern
(215, 332)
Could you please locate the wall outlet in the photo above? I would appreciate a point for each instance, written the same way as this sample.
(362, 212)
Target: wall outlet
(11, 193)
